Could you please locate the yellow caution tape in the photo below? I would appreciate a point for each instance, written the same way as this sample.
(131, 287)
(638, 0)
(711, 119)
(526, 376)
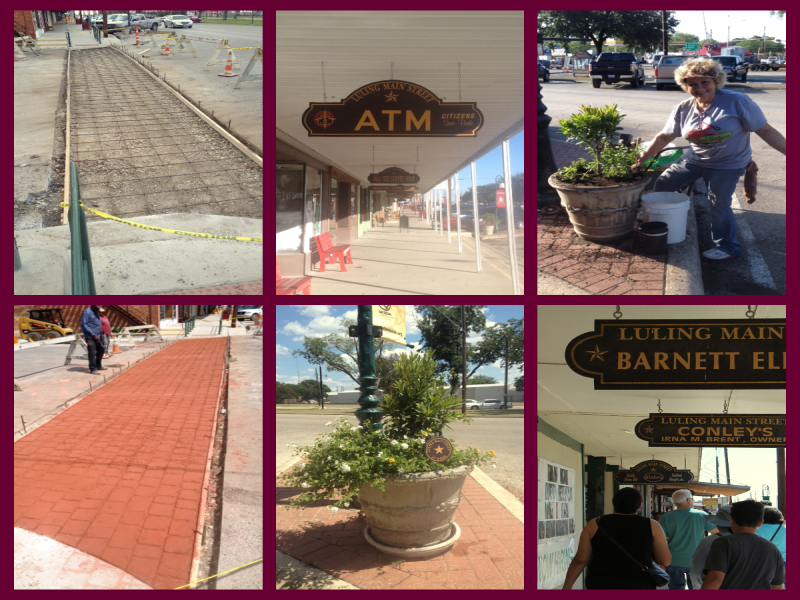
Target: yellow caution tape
(189, 233)
(217, 575)
(247, 48)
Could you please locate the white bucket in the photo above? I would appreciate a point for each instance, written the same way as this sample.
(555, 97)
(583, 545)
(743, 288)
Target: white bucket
(669, 207)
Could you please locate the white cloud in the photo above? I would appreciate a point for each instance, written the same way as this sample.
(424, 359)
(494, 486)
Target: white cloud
(317, 327)
(313, 310)
(281, 350)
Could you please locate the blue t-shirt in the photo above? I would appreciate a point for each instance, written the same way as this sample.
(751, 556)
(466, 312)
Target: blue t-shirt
(720, 136)
(684, 530)
(768, 529)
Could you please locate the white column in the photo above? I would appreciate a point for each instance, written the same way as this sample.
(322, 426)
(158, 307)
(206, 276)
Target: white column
(458, 214)
(475, 218)
(512, 246)
(449, 201)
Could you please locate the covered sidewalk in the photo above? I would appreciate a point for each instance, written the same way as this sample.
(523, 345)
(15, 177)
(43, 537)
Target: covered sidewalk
(417, 261)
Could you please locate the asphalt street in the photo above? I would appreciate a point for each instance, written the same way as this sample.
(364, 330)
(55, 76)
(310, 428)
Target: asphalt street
(503, 435)
(761, 226)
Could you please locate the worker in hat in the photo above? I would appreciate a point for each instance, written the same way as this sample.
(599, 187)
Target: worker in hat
(93, 335)
(717, 123)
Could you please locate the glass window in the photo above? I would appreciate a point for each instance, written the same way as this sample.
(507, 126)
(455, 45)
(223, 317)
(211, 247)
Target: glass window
(313, 205)
(334, 192)
(289, 209)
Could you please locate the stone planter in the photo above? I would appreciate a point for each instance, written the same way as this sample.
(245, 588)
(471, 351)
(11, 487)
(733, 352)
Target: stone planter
(487, 229)
(415, 516)
(601, 214)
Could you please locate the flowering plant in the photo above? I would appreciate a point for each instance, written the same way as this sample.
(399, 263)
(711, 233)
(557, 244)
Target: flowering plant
(341, 462)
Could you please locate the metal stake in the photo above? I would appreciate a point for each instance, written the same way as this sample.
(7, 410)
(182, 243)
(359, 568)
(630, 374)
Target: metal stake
(23, 424)
(229, 124)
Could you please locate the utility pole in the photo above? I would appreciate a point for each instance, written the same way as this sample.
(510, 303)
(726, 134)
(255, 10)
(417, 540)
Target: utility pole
(505, 393)
(717, 468)
(664, 31)
(233, 315)
(727, 471)
(463, 359)
(105, 23)
(370, 412)
(321, 397)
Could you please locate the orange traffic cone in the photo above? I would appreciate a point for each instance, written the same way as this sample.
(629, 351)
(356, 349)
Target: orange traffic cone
(228, 68)
(137, 35)
(167, 52)
(116, 347)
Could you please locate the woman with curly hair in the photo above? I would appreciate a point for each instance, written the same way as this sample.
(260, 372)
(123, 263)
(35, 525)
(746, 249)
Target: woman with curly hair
(717, 124)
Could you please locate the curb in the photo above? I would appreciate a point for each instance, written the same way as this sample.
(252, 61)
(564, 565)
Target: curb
(769, 86)
(684, 275)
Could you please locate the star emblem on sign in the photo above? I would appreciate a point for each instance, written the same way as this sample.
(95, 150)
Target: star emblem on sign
(648, 429)
(439, 449)
(391, 97)
(596, 353)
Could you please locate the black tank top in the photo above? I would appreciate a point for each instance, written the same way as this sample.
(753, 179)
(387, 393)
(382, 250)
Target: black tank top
(612, 569)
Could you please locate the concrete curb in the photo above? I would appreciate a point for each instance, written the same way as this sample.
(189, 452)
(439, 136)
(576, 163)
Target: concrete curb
(684, 272)
(771, 86)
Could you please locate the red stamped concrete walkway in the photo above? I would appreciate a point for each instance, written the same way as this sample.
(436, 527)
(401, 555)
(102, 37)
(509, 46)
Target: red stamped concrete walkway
(489, 555)
(120, 474)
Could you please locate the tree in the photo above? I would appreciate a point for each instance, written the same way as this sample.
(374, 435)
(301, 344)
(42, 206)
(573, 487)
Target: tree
(518, 384)
(639, 29)
(480, 379)
(443, 336)
(309, 388)
(285, 391)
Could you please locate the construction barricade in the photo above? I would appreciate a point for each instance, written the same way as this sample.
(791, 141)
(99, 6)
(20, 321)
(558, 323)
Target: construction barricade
(257, 56)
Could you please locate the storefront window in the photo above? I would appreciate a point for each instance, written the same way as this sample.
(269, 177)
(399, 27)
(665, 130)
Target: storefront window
(289, 208)
(313, 205)
(334, 192)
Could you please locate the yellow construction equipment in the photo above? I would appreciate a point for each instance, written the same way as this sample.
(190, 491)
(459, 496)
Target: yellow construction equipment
(43, 324)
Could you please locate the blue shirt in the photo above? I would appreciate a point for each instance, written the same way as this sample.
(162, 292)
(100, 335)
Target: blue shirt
(90, 323)
(684, 530)
(768, 529)
(720, 136)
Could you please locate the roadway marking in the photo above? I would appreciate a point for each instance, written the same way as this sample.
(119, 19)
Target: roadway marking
(758, 266)
(507, 276)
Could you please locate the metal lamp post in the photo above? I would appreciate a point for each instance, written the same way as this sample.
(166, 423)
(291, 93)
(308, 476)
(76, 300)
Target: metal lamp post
(369, 413)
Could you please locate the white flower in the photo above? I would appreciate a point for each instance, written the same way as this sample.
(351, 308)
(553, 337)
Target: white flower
(305, 475)
(346, 504)
(345, 468)
(405, 437)
(328, 424)
(379, 454)
(494, 466)
(303, 466)
(360, 427)
(287, 445)
(304, 485)
(341, 446)
(404, 446)
(394, 442)
(333, 509)
(402, 471)
(354, 428)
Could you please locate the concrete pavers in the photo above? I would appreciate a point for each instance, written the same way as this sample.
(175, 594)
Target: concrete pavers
(489, 555)
(242, 539)
(119, 475)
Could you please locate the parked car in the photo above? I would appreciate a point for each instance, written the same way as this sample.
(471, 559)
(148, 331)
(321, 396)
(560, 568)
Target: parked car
(734, 67)
(474, 404)
(664, 70)
(488, 404)
(121, 21)
(544, 72)
(195, 19)
(250, 312)
(502, 218)
(177, 21)
(616, 67)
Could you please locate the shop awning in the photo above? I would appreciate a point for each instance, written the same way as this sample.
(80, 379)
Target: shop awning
(701, 488)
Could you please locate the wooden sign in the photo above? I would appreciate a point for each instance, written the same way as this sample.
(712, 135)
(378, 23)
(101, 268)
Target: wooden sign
(392, 108)
(393, 175)
(718, 431)
(438, 449)
(394, 188)
(664, 354)
(652, 472)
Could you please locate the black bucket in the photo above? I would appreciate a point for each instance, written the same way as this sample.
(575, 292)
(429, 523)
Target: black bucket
(654, 236)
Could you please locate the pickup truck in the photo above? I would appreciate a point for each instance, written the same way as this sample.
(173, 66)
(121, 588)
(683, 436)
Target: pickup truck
(664, 70)
(614, 67)
(734, 67)
(120, 21)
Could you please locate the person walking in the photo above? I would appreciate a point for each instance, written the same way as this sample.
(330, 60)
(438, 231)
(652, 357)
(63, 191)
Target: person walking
(92, 332)
(106, 326)
(723, 522)
(744, 560)
(774, 529)
(684, 528)
(609, 567)
(717, 123)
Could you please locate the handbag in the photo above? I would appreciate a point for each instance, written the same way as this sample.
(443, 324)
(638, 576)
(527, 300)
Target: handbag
(658, 575)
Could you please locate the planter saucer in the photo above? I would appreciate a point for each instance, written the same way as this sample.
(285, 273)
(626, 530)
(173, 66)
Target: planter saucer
(417, 552)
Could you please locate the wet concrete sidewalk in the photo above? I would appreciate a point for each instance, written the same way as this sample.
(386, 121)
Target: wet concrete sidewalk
(121, 474)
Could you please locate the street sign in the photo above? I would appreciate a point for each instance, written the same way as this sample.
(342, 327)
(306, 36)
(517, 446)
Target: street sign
(653, 472)
(667, 354)
(393, 175)
(715, 430)
(501, 198)
(690, 46)
(392, 108)
(392, 318)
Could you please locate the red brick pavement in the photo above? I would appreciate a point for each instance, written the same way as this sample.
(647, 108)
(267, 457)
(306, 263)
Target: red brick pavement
(119, 475)
(617, 268)
(489, 555)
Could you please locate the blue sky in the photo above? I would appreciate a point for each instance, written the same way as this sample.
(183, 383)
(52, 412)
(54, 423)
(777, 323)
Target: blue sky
(294, 322)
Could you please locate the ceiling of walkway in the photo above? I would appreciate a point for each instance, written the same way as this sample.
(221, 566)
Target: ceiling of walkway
(604, 420)
(425, 47)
